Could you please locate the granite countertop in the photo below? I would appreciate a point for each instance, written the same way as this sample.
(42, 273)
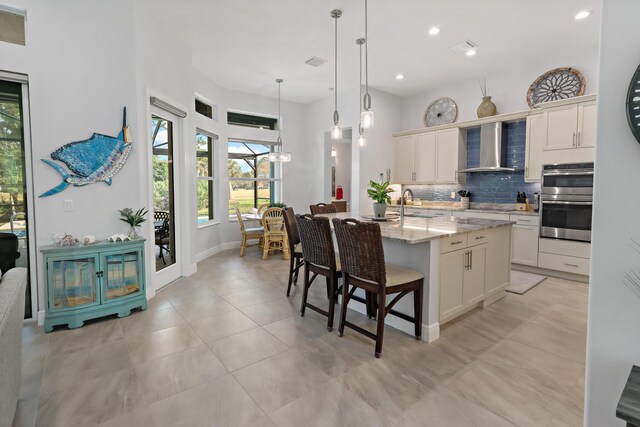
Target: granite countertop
(457, 209)
(420, 230)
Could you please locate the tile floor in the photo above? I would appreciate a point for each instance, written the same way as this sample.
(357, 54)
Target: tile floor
(225, 347)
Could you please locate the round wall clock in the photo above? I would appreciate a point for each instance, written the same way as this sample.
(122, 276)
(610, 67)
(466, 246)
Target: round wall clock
(442, 111)
(633, 104)
(560, 83)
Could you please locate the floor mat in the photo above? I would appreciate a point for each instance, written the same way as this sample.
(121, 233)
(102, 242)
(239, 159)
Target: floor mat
(522, 282)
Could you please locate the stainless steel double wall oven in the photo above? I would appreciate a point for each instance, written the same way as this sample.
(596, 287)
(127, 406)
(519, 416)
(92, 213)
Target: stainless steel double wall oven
(567, 201)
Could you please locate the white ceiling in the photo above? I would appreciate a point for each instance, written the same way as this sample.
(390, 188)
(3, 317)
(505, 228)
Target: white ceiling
(246, 44)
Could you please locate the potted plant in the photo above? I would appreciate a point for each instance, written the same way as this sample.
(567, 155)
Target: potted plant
(134, 219)
(379, 192)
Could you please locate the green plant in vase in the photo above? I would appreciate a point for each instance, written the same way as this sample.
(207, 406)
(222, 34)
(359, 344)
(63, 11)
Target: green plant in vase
(379, 193)
(134, 219)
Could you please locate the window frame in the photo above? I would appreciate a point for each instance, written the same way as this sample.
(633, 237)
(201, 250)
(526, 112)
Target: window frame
(212, 140)
(276, 180)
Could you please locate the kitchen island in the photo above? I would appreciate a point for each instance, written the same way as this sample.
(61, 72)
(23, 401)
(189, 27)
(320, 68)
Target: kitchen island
(466, 263)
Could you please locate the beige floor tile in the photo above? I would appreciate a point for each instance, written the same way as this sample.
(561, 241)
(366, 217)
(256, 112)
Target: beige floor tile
(296, 330)
(198, 294)
(161, 343)
(158, 302)
(567, 415)
(336, 355)
(139, 417)
(103, 331)
(198, 310)
(490, 324)
(384, 385)
(515, 307)
(35, 347)
(91, 402)
(464, 343)
(329, 405)
(261, 422)
(549, 374)
(445, 408)
(141, 322)
(251, 297)
(26, 412)
(230, 287)
(223, 325)
(220, 402)
(32, 373)
(576, 395)
(272, 310)
(553, 338)
(169, 375)
(66, 370)
(504, 394)
(276, 381)
(246, 348)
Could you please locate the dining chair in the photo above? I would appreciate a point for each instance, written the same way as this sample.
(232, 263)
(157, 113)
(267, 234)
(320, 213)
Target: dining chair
(256, 233)
(162, 233)
(363, 266)
(295, 248)
(275, 234)
(319, 259)
(322, 208)
(262, 208)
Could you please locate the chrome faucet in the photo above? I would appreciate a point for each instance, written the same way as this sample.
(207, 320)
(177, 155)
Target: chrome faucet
(402, 203)
(13, 217)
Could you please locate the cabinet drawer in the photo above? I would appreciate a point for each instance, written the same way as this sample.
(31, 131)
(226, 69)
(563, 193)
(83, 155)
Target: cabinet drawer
(564, 263)
(481, 215)
(565, 247)
(452, 243)
(532, 220)
(479, 237)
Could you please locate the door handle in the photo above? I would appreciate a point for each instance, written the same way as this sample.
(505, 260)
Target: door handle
(574, 139)
(570, 265)
(466, 260)
(578, 140)
(470, 259)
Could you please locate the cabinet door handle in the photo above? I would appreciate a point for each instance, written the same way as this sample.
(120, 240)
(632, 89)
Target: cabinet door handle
(571, 265)
(480, 237)
(470, 259)
(466, 260)
(579, 137)
(526, 171)
(574, 139)
(456, 242)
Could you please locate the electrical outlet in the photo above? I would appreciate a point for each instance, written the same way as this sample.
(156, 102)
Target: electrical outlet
(453, 194)
(68, 205)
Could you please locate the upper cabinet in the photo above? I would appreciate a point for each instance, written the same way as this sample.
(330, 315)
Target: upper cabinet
(429, 158)
(571, 133)
(536, 138)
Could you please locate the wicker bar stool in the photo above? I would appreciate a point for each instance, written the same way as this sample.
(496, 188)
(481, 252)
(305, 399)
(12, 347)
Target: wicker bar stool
(319, 258)
(275, 234)
(363, 266)
(295, 248)
(322, 208)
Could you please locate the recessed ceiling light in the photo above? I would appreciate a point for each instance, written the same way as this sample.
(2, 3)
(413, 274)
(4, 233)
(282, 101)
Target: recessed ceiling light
(471, 52)
(582, 15)
(434, 31)
(399, 76)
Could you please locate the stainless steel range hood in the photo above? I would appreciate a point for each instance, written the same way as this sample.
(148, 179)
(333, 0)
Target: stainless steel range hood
(491, 150)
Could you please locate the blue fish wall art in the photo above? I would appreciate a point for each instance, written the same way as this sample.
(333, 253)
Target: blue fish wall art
(95, 159)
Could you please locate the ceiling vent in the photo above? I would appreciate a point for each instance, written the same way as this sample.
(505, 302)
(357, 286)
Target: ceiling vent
(314, 61)
(463, 48)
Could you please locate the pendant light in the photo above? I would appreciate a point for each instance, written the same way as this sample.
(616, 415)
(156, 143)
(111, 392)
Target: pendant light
(362, 139)
(279, 156)
(336, 131)
(366, 117)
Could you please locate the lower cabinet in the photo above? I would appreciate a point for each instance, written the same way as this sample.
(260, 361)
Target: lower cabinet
(86, 282)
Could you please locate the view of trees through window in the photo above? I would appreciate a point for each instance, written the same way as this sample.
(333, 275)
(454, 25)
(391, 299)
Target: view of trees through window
(251, 176)
(12, 186)
(204, 177)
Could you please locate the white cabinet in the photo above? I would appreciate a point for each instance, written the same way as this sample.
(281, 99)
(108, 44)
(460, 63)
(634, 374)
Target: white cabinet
(536, 139)
(571, 133)
(429, 158)
(462, 280)
(498, 265)
(564, 255)
(525, 240)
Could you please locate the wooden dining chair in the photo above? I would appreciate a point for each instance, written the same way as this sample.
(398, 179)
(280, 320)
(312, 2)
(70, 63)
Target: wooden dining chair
(363, 266)
(275, 234)
(262, 208)
(322, 208)
(319, 259)
(256, 233)
(295, 248)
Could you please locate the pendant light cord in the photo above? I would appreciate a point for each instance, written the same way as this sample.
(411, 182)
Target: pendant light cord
(360, 129)
(335, 85)
(366, 49)
(279, 115)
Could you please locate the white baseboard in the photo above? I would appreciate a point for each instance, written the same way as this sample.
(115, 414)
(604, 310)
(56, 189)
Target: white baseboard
(550, 273)
(41, 318)
(216, 249)
(431, 332)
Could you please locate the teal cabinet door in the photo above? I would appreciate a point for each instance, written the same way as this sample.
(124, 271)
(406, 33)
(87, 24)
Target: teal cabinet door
(121, 275)
(73, 282)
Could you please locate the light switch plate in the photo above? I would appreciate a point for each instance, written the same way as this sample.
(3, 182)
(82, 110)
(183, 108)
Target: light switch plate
(68, 205)
(453, 194)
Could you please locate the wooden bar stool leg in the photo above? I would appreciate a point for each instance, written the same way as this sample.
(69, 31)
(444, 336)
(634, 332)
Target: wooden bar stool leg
(305, 290)
(291, 269)
(417, 307)
(243, 245)
(380, 328)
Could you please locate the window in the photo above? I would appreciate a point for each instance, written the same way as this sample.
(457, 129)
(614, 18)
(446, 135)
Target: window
(204, 109)
(248, 120)
(253, 180)
(205, 177)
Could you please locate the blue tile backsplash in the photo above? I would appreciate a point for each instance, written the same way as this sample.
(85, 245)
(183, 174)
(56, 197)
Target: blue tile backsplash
(488, 187)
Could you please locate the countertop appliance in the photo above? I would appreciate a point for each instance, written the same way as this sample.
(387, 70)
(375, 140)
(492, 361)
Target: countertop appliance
(566, 202)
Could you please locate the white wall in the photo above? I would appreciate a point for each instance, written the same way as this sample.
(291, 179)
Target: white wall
(342, 162)
(81, 74)
(508, 88)
(613, 343)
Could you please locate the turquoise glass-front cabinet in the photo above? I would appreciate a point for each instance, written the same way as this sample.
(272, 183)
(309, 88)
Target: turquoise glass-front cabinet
(85, 282)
